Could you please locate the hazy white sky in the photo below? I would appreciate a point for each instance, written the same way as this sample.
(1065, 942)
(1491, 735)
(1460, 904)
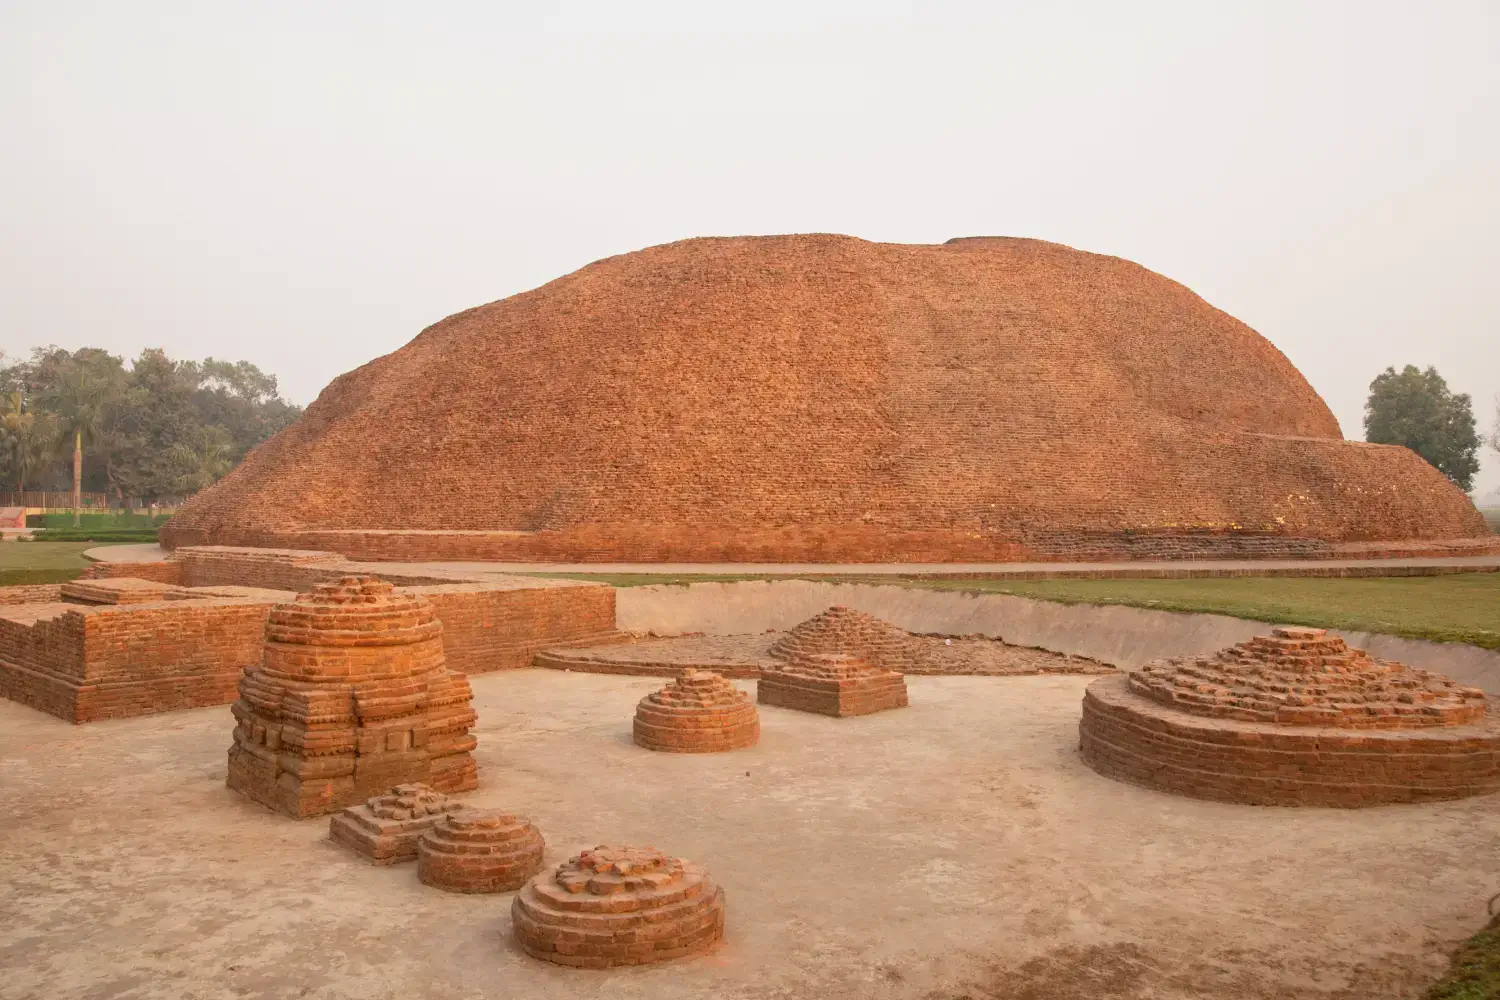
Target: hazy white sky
(306, 186)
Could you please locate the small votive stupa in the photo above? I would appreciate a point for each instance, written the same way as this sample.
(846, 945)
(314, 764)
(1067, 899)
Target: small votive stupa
(384, 829)
(619, 906)
(832, 684)
(352, 698)
(699, 712)
(479, 851)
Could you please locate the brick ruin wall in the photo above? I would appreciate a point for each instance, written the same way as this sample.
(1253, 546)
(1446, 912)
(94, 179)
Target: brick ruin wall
(83, 663)
(1132, 740)
(825, 399)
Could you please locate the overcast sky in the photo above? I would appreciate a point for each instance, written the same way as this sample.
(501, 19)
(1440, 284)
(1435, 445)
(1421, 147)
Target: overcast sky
(306, 186)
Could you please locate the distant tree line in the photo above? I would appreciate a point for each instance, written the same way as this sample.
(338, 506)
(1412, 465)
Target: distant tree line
(156, 430)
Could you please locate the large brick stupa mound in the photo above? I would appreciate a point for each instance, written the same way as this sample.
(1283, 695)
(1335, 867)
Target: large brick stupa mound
(1293, 718)
(822, 398)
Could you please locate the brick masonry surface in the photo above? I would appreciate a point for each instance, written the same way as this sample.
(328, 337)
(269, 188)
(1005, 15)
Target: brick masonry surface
(832, 684)
(699, 712)
(385, 828)
(74, 651)
(614, 906)
(820, 398)
(479, 851)
(351, 698)
(1292, 719)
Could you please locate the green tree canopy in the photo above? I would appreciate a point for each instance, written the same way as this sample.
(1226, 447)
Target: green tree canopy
(1414, 408)
(157, 429)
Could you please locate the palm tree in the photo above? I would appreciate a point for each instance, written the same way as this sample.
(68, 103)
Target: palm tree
(78, 401)
(25, 438)
(203, 464)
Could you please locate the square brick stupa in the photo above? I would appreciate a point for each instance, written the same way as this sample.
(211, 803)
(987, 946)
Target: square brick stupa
(832, 684)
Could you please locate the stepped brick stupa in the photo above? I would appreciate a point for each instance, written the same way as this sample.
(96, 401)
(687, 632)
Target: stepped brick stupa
(1296, 718)
(820, 398)
(841, 630)
(619, 906)
(473, 851)
(384, 829)
(352, 698)
(699, 712)
(832, 684)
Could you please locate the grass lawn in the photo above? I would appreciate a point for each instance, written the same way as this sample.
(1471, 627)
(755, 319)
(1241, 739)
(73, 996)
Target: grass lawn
(1457, 608)
(1475, 973)
(41, 562)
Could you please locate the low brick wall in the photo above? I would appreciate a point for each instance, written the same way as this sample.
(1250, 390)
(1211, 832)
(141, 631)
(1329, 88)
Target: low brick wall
(1132, 739)
(163, 571)
(39, 593)
(88, 663)
(486, 627)
(82, 662)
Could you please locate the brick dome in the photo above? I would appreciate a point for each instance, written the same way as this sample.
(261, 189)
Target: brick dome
(825, 398)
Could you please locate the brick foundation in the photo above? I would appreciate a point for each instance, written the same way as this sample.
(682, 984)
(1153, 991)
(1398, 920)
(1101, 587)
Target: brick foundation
(616, 906)
(384, 829)
(831, 684)
(109, 645)
(700, 712)
(474, 851)
(1128, 738)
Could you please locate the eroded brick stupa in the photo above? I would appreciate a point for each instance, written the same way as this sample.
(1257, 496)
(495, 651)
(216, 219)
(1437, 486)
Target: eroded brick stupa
(479, 851)
(1293, 718)
(619, 906)
(384, 829)
(352, 698)
(699, 712)
(821, 398)
(841, 630)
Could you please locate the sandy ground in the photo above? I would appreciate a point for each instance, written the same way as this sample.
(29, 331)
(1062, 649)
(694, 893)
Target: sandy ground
(954, 849)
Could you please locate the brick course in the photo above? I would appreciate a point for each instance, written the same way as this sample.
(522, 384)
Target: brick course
(479, 851)
(614, 906)
(1292, 719)
(699, 712)
(351, 698)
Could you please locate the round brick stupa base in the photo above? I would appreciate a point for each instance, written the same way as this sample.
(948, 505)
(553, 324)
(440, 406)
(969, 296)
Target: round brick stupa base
(475, 851)
(700, 712)
(619, 906)
(1293, 719)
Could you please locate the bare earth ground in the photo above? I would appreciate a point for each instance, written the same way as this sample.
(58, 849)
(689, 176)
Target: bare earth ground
(954, 849)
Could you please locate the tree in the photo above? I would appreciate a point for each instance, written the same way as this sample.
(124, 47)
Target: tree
(78, 401)
(26, 437)
(203, 463)
(1495, 429)
(1415, 409)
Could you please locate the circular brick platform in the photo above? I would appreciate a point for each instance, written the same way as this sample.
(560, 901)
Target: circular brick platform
(1294, 718)
(474, 851)
(619, 906)
(699, 712)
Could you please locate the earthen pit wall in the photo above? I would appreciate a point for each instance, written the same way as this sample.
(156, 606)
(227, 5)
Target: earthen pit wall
(1131, 739)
